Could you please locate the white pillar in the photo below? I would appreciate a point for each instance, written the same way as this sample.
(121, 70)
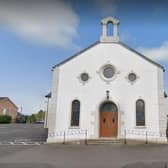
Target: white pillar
(104, 30)
(115, 30)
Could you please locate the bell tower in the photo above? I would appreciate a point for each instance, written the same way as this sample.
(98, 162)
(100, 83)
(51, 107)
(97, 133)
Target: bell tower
(105, 38)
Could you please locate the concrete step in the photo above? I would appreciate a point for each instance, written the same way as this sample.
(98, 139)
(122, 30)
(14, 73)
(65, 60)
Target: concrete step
(105, 141)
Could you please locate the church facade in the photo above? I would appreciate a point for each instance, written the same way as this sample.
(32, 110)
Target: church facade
(108, 90)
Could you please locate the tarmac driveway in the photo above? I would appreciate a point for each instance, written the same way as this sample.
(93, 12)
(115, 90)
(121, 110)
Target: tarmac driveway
(81, 156)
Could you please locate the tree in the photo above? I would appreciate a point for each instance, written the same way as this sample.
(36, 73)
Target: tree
(31, 119)
(37, 117)
(40, 115)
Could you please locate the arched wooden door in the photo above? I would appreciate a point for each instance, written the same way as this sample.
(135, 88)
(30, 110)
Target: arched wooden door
(108, 120)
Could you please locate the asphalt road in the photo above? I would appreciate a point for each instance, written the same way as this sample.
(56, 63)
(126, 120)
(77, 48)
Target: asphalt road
(22, 132)
(81, 156)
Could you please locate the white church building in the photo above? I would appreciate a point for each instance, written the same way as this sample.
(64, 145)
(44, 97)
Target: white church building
(107, 90)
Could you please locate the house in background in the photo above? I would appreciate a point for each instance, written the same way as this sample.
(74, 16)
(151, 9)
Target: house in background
(7, 107)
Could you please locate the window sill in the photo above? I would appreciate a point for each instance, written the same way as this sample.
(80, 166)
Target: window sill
(140, 127)
(74, 127)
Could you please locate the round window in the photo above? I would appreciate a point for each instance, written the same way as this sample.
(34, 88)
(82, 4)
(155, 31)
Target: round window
(132, 77)
(108, 71)
(84, 77)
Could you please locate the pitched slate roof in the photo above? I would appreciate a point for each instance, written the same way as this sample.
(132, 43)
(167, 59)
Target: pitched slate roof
(122, 44)
(2, 98)
(5, 99)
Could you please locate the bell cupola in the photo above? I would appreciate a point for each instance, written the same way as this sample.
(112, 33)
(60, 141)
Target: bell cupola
(113, 37)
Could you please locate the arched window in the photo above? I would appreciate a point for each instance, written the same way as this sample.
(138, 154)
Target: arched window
(110, 29)
(75, 113)
(108, 107)
(140, 112)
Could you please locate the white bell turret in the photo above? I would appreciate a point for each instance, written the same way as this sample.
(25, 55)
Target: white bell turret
(109, 38)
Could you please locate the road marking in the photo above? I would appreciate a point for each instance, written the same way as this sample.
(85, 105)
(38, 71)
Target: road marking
(20, 143)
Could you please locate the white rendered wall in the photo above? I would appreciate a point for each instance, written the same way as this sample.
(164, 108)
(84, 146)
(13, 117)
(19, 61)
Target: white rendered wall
(93, 93)
(51, 118)
(162, 102)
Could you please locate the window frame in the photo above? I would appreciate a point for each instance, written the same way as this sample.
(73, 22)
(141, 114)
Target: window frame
(144, 104)
(101, 69)
(135, 76)
(80, 80)
(132, 82)
(104, 71)
(71, 114)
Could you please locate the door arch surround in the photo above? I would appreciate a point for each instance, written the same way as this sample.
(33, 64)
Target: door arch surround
(108, 119)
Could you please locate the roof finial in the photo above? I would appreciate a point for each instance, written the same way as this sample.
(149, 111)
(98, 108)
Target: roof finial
(105, 38)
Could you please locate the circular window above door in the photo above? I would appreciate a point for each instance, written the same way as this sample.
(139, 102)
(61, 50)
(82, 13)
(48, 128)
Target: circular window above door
(108, 71)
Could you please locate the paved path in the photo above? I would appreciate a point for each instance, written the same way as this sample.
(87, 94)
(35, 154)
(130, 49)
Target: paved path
(80, 156)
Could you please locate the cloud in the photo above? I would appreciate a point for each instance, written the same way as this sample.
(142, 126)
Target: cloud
(48, 22)
(107, 7)
(159, 53)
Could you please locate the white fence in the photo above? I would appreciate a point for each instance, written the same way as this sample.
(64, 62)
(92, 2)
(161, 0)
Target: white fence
(144, 135)
(73, 135)
(147, 136)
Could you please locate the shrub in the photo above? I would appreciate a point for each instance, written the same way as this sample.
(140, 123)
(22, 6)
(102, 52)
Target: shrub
(5, 119)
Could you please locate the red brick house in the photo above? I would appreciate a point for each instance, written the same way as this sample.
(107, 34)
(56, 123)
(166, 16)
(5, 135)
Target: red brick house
(7, 107)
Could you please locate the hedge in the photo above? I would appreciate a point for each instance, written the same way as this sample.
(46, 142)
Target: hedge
(5, 119)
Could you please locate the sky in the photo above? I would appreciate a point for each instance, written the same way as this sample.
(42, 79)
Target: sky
(37, 34)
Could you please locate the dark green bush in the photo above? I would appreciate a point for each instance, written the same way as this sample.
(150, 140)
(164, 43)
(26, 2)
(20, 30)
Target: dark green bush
(5, 119)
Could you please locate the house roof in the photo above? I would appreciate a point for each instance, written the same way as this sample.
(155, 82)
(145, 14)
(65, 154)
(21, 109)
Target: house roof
(122, 44)
(2, 98)
(5, 99)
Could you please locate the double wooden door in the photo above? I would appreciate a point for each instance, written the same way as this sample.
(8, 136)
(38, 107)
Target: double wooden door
(108, 124)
